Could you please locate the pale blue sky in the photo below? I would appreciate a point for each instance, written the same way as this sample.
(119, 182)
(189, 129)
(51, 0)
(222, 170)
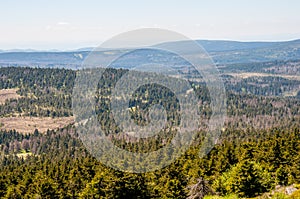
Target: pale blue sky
(67, 24)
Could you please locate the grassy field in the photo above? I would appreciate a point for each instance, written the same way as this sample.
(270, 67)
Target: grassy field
(29, 124)
(8, 94)
(247, 75)
(279, 193)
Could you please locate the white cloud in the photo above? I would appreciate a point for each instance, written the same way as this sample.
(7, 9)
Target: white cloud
(62, 23)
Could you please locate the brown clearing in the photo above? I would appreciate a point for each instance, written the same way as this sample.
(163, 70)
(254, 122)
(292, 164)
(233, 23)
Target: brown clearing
(29, 124)
(247, 75)
(8, 94)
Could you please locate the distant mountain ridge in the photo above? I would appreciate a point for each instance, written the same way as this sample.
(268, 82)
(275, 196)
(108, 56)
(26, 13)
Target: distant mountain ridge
(223, 45)
(208, 45)
(222, 52)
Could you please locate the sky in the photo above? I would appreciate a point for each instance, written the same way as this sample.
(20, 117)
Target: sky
(71, 24)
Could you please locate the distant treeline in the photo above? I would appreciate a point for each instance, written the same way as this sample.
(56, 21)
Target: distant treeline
(250, 101)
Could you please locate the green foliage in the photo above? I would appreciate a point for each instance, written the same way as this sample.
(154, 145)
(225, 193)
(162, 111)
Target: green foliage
(295, 195)
(60, 167)
(45, 92)
(231, 196)
(246, 179)
(246, 161)
(280, 196)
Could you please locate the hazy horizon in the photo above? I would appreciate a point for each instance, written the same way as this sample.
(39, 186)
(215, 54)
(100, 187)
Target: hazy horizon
(96, 45)
(75, 24)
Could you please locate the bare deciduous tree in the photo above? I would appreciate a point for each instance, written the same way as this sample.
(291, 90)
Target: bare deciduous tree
(199, 190)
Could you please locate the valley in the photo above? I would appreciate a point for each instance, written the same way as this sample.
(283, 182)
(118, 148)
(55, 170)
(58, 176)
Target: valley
(255, 156)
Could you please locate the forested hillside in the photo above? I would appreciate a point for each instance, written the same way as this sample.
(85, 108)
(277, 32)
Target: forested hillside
(258, 150)
(245, 162)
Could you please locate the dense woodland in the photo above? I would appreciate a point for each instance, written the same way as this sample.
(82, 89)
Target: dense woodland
(247, 163)
(48, 92)
(287, 67)
(45, 92)
(258, 150)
